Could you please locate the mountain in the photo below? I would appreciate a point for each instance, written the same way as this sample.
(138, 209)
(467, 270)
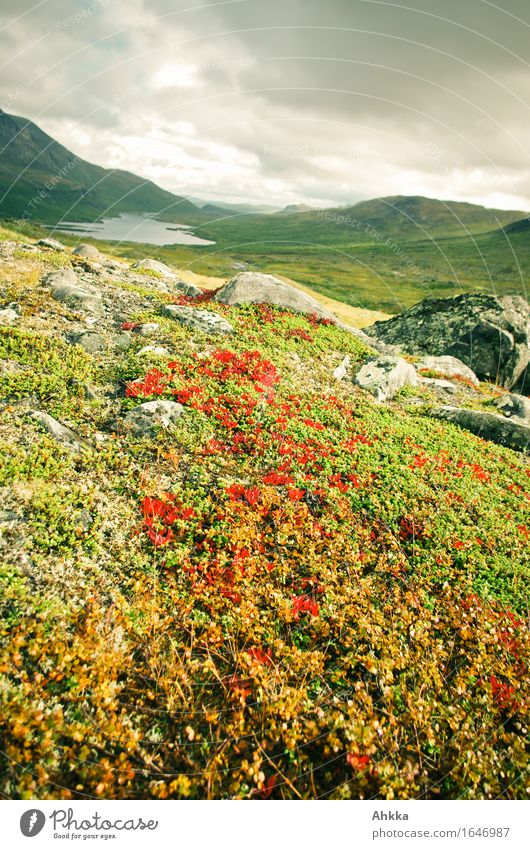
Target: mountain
(40, 180)
(399, 218)
(237, 208)
(296, 207)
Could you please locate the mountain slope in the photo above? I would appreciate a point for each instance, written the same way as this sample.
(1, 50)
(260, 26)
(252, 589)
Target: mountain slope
(292, 592)
(40, 180)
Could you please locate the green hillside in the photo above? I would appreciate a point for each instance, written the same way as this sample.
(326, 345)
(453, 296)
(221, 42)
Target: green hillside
(40, 180)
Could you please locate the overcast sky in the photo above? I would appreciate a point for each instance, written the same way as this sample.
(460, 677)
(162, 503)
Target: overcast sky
(283, 101)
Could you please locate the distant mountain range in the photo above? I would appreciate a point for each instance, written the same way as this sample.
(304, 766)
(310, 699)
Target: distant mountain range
(40, 180)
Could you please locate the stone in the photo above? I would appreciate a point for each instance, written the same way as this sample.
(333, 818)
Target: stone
(448, 367)
(437, 383)
(385, 376)
(153, 265)
(188, 289)
(251, 287)
(511, 433)
(87, 251)
(59, 432)
(153, 351)
(52, 244)
(89, 340)
(341, 371)
(150, 328)
(490, 335)
(203, 320)
(145, 419)
(512, 405)
(60, 277)
(9, 314)
(78, 298)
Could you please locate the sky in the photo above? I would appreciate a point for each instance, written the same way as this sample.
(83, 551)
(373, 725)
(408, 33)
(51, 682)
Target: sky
(283, 101)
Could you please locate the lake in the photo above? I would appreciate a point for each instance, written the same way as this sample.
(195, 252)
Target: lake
(133, 228)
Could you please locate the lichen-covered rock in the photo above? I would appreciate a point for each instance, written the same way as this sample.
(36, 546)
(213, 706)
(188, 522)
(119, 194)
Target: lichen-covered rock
(448, 367)
(504, 431)
(385, 376)
(146, 418)
(250, 287)
(203, 320)
(490, 335)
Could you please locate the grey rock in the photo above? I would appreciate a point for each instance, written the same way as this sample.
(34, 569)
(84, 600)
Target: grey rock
(52, 244)
(87, 251)
(490, 335)
(89, 340)
(8, 315)
(438, 383)
(154, 351)
(150, 328)
(448, 366)
(78, 298)
(512, 405)
(188, 289)
(60, 277)
(385, 376)
(341, 371)
(509, 432)
(122, 341)
(153, 265)
(203, 320)
(146, 418)
(251, 287)
(59, 432)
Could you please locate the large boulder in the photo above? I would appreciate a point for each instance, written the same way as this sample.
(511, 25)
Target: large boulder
(52, 244)
(490, 335)
(504, 431)
(250, 287)
(207, 322)
(385, 376)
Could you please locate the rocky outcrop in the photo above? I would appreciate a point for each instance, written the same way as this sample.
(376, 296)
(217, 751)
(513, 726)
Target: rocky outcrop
(384, 376)
(203, 320)
(68, 289)
(89, 340)
(250, 287)
(146, 418)
(509, 432)
(490, 335)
